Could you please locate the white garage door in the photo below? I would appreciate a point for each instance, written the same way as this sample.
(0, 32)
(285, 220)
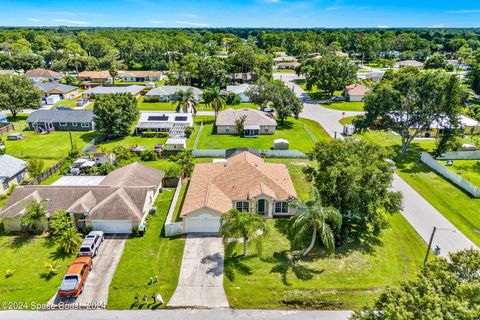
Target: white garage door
(112, 226)
(203, 224)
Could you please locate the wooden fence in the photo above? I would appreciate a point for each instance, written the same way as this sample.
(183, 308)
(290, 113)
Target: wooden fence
(8, 127)
(47, 173)
(170, 182)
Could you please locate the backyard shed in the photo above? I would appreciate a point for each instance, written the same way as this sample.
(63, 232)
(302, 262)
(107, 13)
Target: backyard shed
(280, 144)
(174, 144)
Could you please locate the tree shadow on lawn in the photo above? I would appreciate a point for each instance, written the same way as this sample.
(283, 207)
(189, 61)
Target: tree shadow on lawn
(20, 240)
(88, 136)
(411, 163)
(285, 125)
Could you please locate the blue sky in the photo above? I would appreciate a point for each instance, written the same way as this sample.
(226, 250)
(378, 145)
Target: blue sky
(241, 13)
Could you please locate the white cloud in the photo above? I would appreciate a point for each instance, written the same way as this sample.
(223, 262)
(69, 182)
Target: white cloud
(193, 24)
(76, 22)
(189, 15)
(33, 19)
(91, 14)
(155, 21)
(465, 11)
(383, 27)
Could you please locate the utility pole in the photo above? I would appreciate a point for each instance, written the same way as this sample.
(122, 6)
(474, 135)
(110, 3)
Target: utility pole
(71, 141)
(429, 246)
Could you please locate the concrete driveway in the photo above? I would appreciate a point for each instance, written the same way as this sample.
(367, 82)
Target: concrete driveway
(98, 281)
(200, 284)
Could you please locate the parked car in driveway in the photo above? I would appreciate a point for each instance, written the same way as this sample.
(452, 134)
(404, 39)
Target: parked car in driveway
(101, 234)
(82, 102)
(90, 245)
(74, 280)
(337, 98)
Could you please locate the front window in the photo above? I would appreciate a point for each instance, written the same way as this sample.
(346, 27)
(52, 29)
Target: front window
(85, 125)
(243, 206)
(281, 207)
(63, 124)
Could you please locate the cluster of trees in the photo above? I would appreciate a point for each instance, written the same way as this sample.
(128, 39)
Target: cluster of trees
(115, 114)
(409, 101)
(18, 93)
(328, 73)
(278, 95)
(442, 290)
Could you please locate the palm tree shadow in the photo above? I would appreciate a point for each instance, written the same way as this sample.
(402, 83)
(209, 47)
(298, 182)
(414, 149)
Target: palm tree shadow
(20, 241)
(235, 263)
(284, 262)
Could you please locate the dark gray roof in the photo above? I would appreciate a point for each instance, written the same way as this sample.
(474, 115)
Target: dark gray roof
(56, 115)
(48, 86)
(10, 166)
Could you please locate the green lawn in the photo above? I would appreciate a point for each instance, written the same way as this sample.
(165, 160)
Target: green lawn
(19, 123)
(347, 120)
(347, 280)
(467, 169)
(54, 145)
(26, 255)
(71, 103)
(181, 198)
(292, 130)
(145, 257)
(457, 206)
(345, 106)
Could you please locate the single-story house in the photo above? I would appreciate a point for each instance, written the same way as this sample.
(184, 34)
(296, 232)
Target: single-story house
(42, 75)
(95, 76)
(244, 182)
(279, 53)
(409, 63)
(141, 76)
(257, 122)
(373, 76)
(120, 203)
(285, 59)
(164, 122)
(288, 65)
(135, 90)
(54, 88)
(59, 119)
(241, 90)
(341, 54)
(167, 93)
(242, 77)
(355, 92)
(12, 171)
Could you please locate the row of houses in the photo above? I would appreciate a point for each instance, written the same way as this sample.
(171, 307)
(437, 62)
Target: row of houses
(102, 76)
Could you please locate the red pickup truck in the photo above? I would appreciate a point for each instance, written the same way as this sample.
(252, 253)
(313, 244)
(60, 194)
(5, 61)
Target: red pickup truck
(74, 280)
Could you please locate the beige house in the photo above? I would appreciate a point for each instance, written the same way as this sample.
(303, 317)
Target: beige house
(244, 182)
(141, 76)
(120, 203)
(95, 76)
(41, 75)
(355, 92)
(256, 122)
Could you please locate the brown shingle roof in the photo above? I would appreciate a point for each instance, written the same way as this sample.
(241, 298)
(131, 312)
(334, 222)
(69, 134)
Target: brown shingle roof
(254, 117)
(356, 89)
(217, 185)
(104, 74)
(43, 73)
(134, 174)
(122, 196)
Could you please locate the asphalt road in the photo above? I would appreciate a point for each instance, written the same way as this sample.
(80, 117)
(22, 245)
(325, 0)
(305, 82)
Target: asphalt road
(418, 212)
(177, 314)
(200, 284)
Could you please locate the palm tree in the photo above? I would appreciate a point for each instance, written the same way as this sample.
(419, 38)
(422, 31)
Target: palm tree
(186, 101)
(236, 224)
(314, 218)
(69, 240)
(214, 99)
(36, 211)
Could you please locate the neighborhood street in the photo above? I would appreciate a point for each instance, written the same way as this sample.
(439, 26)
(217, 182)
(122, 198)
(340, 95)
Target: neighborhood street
(418, 212)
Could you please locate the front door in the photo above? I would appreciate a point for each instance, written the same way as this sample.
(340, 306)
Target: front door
(261, 206)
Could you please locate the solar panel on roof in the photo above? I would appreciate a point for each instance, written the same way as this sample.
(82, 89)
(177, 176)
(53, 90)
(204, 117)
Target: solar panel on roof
(180, 118)
(158, 118)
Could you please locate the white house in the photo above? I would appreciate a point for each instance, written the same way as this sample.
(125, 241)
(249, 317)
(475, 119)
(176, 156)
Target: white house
(355, 92)
(167, 93)
(164, 122)
(241, 90)
(141, 76)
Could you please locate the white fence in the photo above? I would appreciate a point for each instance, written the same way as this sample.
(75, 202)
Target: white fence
(452, 176)
(220, 153)
(460, 155)
(173, 228)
